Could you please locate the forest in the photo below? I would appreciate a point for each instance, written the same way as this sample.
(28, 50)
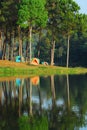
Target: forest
(51, 30)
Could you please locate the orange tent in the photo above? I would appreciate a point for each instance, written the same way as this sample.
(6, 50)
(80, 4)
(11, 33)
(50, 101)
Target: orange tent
(35, 61)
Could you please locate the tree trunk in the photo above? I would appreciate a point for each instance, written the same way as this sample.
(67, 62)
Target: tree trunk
(52, 52)
(27, 47)
(30, 40)
(9, 53)
(20, 41)
(68, 94)
(53, 90)
(40, 98)
(68, 51)
(38, 54)
(4, 51)
(13, 44)
(0, 44)
(4, 39)
(20, 100)
(0, 96)
(30, 98)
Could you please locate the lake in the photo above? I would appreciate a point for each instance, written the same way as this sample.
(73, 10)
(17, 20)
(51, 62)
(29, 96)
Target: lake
(56, 102)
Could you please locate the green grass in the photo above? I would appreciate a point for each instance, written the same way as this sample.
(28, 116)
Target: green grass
(40, 70)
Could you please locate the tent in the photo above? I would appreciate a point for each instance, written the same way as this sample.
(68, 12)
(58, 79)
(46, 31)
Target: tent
(35, 61)
(19, 59)
(44, 63)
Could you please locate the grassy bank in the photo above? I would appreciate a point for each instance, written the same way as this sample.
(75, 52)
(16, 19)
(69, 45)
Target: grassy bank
(8, 68)
(40, 70)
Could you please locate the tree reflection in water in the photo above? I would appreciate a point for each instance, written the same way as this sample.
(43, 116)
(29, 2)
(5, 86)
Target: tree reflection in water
(19, 109)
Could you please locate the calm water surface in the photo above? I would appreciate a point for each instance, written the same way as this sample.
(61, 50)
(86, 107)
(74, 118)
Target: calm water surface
(44, 103)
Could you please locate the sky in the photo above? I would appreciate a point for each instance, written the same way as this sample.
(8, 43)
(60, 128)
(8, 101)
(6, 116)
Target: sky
(83, 5)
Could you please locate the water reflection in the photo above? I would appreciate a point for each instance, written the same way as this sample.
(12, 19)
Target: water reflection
(44, 103)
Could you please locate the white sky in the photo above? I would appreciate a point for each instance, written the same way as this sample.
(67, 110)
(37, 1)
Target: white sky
(83, 5)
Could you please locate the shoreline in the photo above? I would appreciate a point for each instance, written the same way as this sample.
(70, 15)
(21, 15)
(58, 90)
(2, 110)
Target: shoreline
(9, 68)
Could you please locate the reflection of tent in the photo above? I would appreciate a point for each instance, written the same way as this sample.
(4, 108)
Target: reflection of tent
(35, 80)
(18, 82)
(35, 61)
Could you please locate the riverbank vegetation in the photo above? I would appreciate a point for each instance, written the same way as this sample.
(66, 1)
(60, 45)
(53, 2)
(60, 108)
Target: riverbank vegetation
(8, 68)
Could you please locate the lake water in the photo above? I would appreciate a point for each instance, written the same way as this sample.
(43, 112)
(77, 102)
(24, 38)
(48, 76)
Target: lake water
(44, 103)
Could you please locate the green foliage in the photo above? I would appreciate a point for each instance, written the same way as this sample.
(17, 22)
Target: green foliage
(82, 26)
(8, 12)
(69, 13)
(31, 13)
(24, 16)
